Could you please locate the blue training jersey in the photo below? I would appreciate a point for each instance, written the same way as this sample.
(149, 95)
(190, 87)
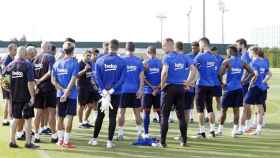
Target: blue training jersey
(192, 56)
(206, 64)
(63, 70)
(234, 74)
(110, 72)
(220, 60)
(152, 74)
(262, 67)
(134, 67)
(177, 64)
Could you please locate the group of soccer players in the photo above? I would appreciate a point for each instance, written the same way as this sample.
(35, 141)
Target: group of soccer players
(110, 83)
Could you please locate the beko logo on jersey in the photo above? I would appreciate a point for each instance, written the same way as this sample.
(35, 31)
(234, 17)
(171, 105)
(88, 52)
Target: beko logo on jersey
(110, 67)
(179, 66)
(262, 70)
(154, 70)
(131, 68)
(17, 74)
(62, 71)
(38, 66)
(235, 70)
(211, 64)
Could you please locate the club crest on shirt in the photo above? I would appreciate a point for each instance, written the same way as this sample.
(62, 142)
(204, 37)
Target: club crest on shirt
(110, 67)
(154, 70)
(178, 66)
(17, 74)
(131, 68)
(62, 71)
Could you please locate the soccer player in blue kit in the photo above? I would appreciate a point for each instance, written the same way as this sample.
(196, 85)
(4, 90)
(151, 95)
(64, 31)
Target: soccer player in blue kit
(12, 51)
(110, 75)
(206, 64)
(151, 98)
(233, 67)
(258, 86)
(22, 89)
(191, 90)
(245, 57)
(64, 75)
(218, 88)
(132, 90)
(173, 84)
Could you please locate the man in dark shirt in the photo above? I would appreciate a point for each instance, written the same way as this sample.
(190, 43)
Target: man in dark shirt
(87, 93)
(22, 89)
(12, 48)
(45, 98)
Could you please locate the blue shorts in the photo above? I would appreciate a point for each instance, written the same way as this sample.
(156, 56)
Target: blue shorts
(232, 99)
(149, 101)
(189, 99)
(255, 96)
(66, 108)
(129, 100)
(217, 91)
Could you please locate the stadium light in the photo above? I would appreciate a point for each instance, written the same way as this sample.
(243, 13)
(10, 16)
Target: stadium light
(161, 18)
(222, 9)
(203, 19)
(189, 24)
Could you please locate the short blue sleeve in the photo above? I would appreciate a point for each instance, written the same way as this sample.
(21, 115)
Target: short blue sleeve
(76, 68)
(141, 66)
(165, 60)
(189, 61)
(30, 72)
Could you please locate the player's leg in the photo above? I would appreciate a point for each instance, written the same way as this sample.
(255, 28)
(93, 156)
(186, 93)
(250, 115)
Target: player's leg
(167, 100)
(61, 111)
(137, 115)
(52, 124)
(112, 119)
(90, 106)
(138, 121)
(209, 108)
(71, 109)
(80, 114)
(235, 121)
(20, 135)
(28, 114)
(146, 104)
(97, 126)
(180, 100)
(37, 121)
(200, 105)
(82, 99)
(7, 108)
(125, 101)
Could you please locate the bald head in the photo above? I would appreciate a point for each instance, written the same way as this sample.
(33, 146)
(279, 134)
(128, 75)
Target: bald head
(45, 46)
(31, 52)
